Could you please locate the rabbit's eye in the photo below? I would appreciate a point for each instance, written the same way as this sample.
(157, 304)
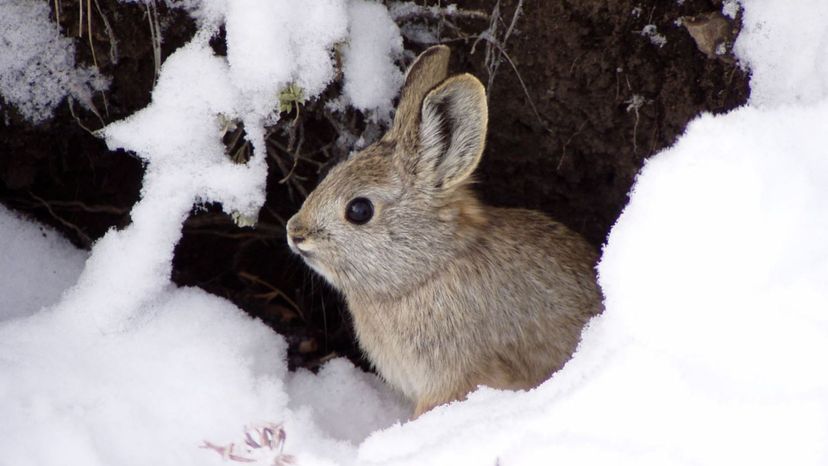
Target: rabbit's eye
(359, 211)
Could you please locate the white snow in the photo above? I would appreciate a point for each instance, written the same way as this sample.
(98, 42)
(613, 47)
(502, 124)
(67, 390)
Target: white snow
(711, 349)
(730, 8)
(37, 64)
(786, 51)
(33, 254)
(343, 400)
(371, 78)
(650, 31)
(299, 35)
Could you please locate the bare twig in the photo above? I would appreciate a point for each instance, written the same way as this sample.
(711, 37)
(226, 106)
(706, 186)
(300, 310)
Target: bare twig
(288, 174)
(518, 11)
(634, 103)
(57, 12)
(421, 12)
(83, 237)
(566, 144)
(82, 206)
(92, 108)
(113, 42)
(496, 51)
(492, 60)
(297, 147)
(522, 85)
(155, 35)
(89, 31)
(80, 18)
(273, 294)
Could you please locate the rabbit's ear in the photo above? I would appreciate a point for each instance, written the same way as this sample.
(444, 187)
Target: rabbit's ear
(452, 135)
(427, 71)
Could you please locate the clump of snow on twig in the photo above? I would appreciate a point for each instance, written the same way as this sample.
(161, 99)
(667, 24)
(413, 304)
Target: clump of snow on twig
(438, 19)
(650, 31)
(37, 64)
(299, 36)
(730, 8)
(372, 79)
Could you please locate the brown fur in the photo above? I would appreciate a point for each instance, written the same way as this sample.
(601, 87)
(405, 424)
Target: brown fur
(446, 293)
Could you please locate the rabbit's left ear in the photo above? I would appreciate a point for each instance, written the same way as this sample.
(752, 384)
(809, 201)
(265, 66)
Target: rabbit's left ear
(452, 131)
(428, 70)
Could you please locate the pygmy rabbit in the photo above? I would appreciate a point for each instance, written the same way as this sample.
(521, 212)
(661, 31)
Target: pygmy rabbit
(446, 293)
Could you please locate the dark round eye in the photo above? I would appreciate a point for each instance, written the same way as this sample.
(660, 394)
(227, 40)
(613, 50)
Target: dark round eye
(359, 211)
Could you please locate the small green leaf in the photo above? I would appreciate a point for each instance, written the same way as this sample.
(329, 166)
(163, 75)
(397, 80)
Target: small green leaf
(290, 96)
(243, 220)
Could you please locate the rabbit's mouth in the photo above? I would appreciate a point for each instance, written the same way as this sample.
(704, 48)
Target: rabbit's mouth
(306, 254)
(299, 245)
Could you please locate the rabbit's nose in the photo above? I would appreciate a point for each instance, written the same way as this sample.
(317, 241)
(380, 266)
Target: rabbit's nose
(292, 226)
(294, 232)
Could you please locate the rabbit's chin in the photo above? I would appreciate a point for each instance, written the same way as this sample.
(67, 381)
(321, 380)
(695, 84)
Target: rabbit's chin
(319, 268)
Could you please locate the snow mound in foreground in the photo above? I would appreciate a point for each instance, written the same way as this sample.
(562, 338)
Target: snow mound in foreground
(193, 368)
(715, 333)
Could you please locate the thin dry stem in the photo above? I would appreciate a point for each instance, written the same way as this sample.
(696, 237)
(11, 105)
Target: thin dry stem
(70, 101)
(496, 50)
(155, 35)
(80, 18)
(113, 43)
(83, 237)
(57, 12)
(273, 294)
(89, 31)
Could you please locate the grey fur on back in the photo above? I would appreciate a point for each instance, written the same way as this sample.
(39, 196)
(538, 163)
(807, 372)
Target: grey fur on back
(446, 293)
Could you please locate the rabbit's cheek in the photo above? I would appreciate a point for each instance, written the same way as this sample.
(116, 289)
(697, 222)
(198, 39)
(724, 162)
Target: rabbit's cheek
(320, 268)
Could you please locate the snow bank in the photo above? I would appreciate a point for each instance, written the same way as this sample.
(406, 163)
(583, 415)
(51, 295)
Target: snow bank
(715, 333)
(712, 346)
(147, 395)
(194, 369)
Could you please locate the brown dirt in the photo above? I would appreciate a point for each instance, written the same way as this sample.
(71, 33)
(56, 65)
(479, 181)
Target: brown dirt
(582, 62)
